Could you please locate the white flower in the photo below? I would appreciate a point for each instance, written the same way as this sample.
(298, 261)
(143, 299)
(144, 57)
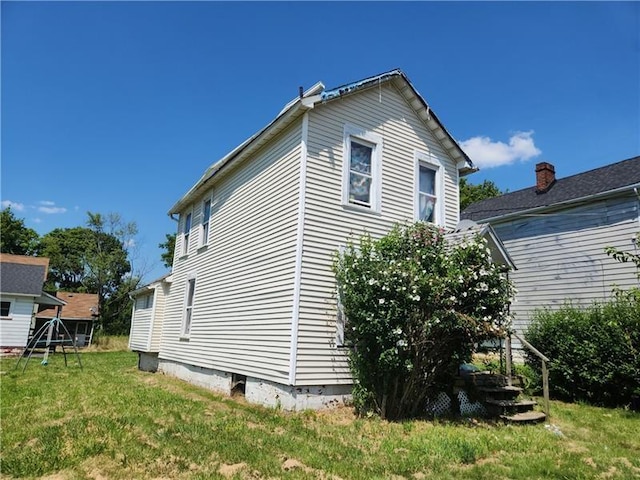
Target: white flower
(452, 298)
(415, 298)
(381, 301)
(397, 331)
(401, 343)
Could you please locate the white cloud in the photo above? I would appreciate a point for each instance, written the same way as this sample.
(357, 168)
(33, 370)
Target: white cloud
(485, 153)
(18, 207)
(48, 203)
(36, 220)
(52, 209)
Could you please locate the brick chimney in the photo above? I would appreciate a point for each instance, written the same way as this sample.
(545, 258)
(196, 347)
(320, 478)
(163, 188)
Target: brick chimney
(545, 177)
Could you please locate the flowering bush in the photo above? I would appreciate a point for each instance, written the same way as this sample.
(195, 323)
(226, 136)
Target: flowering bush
(415, 307)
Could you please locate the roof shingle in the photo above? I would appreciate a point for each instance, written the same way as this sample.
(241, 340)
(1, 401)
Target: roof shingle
(600, 180)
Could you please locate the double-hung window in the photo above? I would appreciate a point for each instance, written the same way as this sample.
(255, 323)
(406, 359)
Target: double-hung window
(188, 306)
(5, 309)
(186, 232)
(362, 169)
(204, 223)
(429, 190)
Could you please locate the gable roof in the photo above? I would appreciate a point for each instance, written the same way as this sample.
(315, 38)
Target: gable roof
(22, 275)
(318, 95)
(79, 306)
(624, 175)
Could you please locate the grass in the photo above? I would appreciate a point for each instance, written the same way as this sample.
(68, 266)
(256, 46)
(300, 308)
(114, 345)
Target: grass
(108, 343)
(111, 421)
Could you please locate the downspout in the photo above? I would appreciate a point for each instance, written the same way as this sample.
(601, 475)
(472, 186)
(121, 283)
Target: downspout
(297, 276)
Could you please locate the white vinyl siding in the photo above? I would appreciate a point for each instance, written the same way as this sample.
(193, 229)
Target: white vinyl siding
(14, 330)
(243, 306)
(147, 318)
(560, 255)
(140, 324)
(328, 225)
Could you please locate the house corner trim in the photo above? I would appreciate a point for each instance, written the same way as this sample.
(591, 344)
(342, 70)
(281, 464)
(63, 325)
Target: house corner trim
(297, 280)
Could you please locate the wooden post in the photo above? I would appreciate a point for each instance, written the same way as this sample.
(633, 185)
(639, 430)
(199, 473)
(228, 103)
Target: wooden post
(507, 353)
(545, 387)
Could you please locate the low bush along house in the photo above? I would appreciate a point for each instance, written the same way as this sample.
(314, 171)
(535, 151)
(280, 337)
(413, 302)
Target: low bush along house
(250, 303)
(556, 232)
(21, 281)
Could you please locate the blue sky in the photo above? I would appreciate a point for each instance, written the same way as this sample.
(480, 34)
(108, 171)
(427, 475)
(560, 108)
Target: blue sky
(121, 106)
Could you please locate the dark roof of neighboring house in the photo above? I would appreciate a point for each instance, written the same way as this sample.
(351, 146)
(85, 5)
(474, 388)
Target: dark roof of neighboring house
(22, 275)
(79, 306)
(593, 182)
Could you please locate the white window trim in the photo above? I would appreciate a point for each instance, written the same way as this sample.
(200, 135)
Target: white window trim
(204, 239)
(430, 161)
(184, 335)
(352, 132)
(184, 248)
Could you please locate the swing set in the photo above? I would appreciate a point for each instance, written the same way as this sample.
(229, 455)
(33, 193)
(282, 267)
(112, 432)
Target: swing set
(51, 328)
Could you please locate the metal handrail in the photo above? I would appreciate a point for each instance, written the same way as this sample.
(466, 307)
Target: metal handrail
(545, 370)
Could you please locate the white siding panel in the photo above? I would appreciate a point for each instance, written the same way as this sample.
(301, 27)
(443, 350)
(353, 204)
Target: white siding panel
(140, 335)
(14, 331)
(328, 224)
(560, 255)
(244, 278)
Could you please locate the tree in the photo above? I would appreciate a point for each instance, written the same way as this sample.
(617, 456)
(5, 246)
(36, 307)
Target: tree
(470, 193)
(415, 307)
(15, 237)
(169, 247)
(95, 259)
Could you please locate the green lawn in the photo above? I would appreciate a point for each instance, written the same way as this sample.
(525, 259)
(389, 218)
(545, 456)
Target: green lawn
(112, 421)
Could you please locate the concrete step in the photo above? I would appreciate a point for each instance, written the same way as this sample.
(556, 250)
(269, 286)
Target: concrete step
(511, 403)
(525, 417)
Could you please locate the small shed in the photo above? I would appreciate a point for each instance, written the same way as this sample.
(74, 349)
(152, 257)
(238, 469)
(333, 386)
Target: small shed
(78, 315)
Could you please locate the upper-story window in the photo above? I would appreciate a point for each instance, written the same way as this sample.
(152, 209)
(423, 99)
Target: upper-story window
(5, 309)
(362, 169)
(186, 233)
(429, 190)
(204, 224)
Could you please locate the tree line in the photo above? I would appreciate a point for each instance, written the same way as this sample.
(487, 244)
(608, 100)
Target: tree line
(91, 259)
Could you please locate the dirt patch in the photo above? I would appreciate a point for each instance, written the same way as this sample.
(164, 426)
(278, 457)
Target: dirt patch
(289, 464)
(589, 461)
(341, 415)
(609, 473)
(228, 471)
(575, 448)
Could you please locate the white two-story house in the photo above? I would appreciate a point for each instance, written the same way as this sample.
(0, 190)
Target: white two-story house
(250, 303)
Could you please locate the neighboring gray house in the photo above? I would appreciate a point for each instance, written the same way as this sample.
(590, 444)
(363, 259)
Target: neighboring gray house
(21, 281)
(556, 233)
(250, 302)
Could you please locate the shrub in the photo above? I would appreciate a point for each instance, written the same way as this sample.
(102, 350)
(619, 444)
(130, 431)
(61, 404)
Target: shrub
(594, 352)
(415, 307)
